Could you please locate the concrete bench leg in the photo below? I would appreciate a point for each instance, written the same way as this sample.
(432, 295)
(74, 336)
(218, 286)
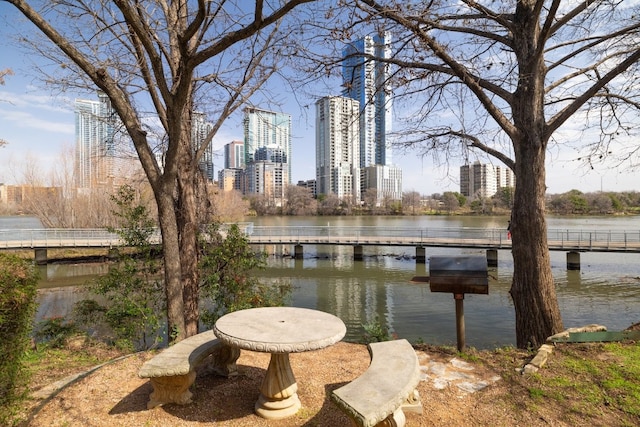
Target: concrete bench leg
(174, 389)
(224, 361)
(397, 419)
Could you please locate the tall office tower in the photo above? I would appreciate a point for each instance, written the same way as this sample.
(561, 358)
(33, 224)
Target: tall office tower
(199, 130)
(337, 147)
(95, 145)
(234, 155)
(366, 80)
(484, 180)
(264, 128)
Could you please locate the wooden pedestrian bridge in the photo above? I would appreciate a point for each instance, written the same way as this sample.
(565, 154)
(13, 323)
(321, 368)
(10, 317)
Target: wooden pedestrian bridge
(572, 241)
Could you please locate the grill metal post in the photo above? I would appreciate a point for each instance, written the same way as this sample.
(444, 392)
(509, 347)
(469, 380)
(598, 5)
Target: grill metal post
(459, 275)
(460, 320)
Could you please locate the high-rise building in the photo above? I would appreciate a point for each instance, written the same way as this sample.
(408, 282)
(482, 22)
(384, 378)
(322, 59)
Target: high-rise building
(385, 180)
(104, 157)
(95, 145)
(264, 128)
(310, 185)
(231, 179)
(484, 180)
(337, 147)
(268, 174)
(234, 155)
(199, 130)
(366, 80)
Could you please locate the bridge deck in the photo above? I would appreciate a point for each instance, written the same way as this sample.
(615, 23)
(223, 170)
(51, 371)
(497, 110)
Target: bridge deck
(558, 240)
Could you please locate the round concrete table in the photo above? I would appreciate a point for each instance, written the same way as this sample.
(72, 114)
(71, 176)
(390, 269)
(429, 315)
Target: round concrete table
(279, 331)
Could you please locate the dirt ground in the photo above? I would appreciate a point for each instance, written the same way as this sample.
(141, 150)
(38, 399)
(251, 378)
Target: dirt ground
(114, 395)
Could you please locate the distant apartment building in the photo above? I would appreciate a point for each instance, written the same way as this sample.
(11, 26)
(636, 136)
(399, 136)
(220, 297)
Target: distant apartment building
(268, 174)
(338, 147)
(310, 185)
(234, 155)
(103, 157)
(484, 180)
(385, 180)
(24, 197)
(264, 128)
(231, 179)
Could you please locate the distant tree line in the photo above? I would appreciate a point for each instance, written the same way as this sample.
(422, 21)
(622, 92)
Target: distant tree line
(300, 201)
(575, 202)
(92, 209)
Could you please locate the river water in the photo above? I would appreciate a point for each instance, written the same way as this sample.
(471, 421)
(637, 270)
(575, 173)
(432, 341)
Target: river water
(605, 291)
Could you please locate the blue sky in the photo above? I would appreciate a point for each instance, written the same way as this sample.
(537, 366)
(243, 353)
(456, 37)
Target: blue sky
(39, 125)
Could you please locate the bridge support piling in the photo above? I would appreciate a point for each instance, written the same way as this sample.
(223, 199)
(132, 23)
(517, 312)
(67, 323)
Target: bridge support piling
(492, 257)
(357, 252)
(573, 260)
(421, 255)
(41, 256)
(298, 252)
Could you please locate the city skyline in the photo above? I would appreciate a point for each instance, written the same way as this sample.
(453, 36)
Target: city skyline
(39, 127)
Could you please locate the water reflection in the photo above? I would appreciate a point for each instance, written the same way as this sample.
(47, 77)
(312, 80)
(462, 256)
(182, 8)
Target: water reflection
(606, 290)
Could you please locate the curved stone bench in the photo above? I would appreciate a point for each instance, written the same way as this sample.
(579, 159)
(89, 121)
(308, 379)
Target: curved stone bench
(378, 397)
(173, 370)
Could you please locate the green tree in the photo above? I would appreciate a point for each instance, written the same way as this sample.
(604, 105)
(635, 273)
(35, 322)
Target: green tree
(131, 293)
(176, 57)
(451, 202)
(504, 197)
(18, 288)
(578, 202)
(227, 263)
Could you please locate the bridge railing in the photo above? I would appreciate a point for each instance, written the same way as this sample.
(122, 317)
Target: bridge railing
(558, 238)
(393, 233)
(57, 237)
(589, 239)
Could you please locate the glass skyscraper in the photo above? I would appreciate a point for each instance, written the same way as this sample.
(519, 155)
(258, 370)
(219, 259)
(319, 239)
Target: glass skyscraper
(95, 146)
(199, 130)
(264, 128)
(366, 80)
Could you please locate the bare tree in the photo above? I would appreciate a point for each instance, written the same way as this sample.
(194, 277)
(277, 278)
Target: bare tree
(166, 56)
(299, 201)
(502, 78)
(411, 202)
(227, 206)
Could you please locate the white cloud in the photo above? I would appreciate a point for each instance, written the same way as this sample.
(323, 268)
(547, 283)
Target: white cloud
(26, 120)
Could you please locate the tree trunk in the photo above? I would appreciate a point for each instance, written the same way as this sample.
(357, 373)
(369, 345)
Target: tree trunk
(188, 223)
(533, 289)
(172, 265)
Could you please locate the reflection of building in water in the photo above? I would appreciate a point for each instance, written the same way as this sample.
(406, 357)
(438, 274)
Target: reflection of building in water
(359, 301)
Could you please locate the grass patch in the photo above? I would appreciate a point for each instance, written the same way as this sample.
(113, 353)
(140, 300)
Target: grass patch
(592, 378)
(48, 363)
